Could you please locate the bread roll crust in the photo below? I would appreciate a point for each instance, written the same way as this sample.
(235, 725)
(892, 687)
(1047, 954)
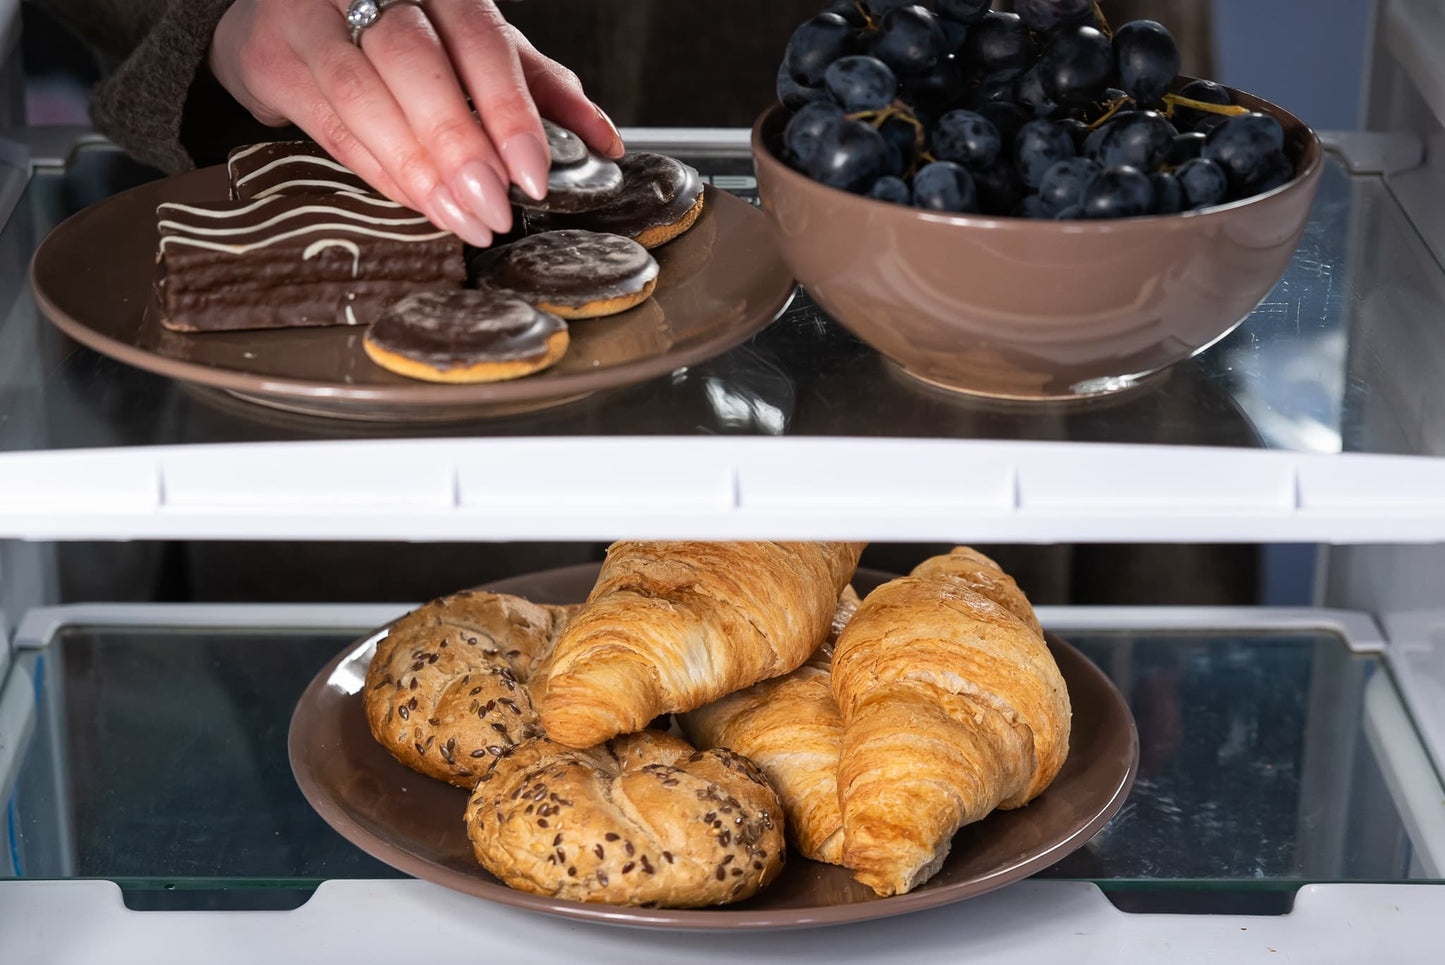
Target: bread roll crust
(952, 706)
(642, 820)
(670, 626)
(444, 691)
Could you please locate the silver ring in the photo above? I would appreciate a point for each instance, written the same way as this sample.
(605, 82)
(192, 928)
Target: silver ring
(361, 14)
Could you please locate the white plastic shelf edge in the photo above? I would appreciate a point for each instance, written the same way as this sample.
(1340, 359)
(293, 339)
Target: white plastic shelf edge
(1029, 922)
(599, 488)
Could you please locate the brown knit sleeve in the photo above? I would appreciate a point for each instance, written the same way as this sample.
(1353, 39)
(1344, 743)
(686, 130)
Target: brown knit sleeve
(161, 84)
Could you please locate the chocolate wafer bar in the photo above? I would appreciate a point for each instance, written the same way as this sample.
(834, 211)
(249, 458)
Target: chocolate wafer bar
(289, 167)
(297, 260)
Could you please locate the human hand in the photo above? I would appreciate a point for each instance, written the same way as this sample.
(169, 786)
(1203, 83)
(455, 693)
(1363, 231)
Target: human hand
(395, 110)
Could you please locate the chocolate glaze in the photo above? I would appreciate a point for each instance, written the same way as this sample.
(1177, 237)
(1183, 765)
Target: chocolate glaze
(452, 328)
(579, 180)
(656, 190)
(566, 148)
(571, 267)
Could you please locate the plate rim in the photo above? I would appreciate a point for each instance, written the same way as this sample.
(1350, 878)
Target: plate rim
(402, 396)
(719, 918)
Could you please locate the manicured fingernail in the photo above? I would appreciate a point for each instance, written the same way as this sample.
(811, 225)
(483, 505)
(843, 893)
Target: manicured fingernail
(486, 195)
(616, 148)
(445, 211)
(526, 158)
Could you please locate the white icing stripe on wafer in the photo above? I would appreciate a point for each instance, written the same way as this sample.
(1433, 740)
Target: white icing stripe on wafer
(311, 186)
(191, 229)
(241, 249)
(238, 155)
(316, 247)
(324, 162)
(261, 202)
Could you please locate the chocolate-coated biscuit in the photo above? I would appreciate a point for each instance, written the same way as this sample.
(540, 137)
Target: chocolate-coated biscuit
(573, 273)
(660, 199)
(465, 335)
(579, 180)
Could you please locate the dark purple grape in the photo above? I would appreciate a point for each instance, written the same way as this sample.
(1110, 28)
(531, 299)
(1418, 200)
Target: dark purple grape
(1276, 171)
(1168, 197)
(1045, 15)
(944, 186)
(999, 188)
(794, 95)
(816, 44)
(1243, 145)
(902, 138)
(1064, 183)
(1077, 66)
(850, 155)
(1071, 213)
(1139, 139)
(1206, 91)
(1094, 140)
(1077, 129)
(806, 128)
(955, 34)
(1122, 192)
(999, 42)
(1008, 118)
(1040, 145)
(861, 83)
(995, 88)
(848, 10)
(1203, 183)
(1147, 59)
(1183, 148)
(890, 188)
(963, 11)
(942, 86)
(880, 7)
(966, 137)
(1208, 123)
(1031, 207)
(1030, 93)
(909, 40)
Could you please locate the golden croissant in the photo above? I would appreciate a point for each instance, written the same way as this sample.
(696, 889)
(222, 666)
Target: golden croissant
(671, 626)
(952, 706)
(790, 727)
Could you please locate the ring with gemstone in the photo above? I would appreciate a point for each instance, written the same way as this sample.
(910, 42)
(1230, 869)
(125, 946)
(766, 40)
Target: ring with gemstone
(361, 14)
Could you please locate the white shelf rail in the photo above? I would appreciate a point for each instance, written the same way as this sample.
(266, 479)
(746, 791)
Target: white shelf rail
(599, 488)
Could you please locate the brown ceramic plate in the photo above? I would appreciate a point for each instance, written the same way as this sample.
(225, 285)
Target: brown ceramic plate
(414, 823)
(93, 277)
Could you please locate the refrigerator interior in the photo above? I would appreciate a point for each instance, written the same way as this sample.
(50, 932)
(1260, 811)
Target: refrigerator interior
(1251, 546)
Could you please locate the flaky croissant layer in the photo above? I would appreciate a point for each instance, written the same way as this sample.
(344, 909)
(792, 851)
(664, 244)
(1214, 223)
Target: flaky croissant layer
(952, 707)
(670, 626)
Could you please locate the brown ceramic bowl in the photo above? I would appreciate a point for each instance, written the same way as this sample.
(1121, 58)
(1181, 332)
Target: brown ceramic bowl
(1023, 309)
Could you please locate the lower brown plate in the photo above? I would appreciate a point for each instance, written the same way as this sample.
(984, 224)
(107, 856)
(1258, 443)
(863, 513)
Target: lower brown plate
(414, 823)
(93, 276)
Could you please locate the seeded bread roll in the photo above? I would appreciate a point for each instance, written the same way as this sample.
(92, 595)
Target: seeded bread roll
(641, 820)
(444, 692)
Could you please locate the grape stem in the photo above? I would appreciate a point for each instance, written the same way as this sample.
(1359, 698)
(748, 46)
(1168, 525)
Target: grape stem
(868, 23)
(1172, 101)
(1113, 109)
